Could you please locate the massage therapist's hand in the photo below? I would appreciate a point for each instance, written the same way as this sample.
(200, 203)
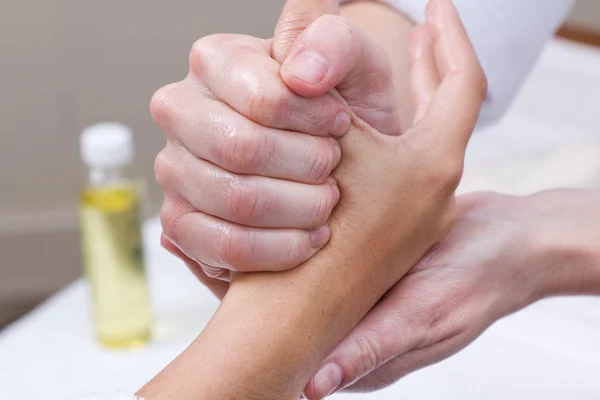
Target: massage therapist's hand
(246, 167)
(502, 254)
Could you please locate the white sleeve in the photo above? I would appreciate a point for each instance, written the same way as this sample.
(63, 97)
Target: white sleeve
(508, 36)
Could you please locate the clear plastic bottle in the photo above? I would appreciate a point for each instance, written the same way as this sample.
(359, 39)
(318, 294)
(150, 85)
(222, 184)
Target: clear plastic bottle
(111, 235)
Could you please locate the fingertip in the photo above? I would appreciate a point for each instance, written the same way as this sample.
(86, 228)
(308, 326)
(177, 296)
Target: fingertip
(424, 75)
(341, 125)
(310, 392)
(337, 152)
(335, 190)
(439, 12)
(325, 382)
(319, 237)
(419, 42)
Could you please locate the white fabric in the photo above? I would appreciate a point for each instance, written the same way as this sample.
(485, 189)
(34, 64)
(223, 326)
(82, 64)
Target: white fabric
(508, 36)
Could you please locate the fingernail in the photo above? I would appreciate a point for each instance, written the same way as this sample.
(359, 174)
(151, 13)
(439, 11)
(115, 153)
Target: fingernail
(327, 379)
(319, 237)
(336, 192)
(341, 124)
(337, 152)
(308, 66)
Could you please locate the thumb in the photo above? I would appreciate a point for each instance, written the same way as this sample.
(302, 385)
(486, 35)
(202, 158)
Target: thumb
(390, 329)
(321, 51)
(296, 16)
(333, 53)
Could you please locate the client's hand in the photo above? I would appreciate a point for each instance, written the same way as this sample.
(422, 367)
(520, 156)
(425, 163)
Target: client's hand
(245, 188)
(503, 253)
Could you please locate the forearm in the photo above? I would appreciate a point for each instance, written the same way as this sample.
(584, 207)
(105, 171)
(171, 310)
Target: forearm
(273, 330)
(391, 29)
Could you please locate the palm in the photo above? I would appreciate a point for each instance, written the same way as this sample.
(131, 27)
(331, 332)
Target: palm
(448, 299)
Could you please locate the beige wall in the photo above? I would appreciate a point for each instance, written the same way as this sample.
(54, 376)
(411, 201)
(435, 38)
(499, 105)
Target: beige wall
(65, 64)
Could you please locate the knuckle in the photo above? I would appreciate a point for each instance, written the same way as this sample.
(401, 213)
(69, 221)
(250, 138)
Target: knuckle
(294, 251)
(320, 165)
(204, 50)
(163, 105)
(318, 114)
(266, 100)
(369, 352)
(246, 201)
(164, 169)
(436, 316)
(291, 24)
(170, 219)
(246, 151)
(235, 248)
(345, 31)
(322, 208)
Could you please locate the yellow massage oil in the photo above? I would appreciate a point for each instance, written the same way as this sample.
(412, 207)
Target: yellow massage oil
(111, 239)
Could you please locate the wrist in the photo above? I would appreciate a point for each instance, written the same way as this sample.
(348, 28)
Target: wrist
(567, 257)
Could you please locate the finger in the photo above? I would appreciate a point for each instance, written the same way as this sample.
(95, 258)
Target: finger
(254, 87)
(373, 342)
(333, 53)
(424, 76)
(221, 244)
(407, 363)
(295, 17)
(218, 288)
(244, 199)
(453, 113)
(227, 139)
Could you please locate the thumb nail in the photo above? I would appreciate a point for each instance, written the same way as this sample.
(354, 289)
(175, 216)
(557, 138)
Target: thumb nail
(327, 379)
(308, 66)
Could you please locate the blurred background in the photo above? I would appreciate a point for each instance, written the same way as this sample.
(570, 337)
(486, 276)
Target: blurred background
(80, 62)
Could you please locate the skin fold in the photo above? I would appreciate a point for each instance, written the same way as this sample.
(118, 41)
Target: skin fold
(274, 329)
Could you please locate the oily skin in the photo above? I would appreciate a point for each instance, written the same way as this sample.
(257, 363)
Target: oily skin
(273, 330)
(246, 189)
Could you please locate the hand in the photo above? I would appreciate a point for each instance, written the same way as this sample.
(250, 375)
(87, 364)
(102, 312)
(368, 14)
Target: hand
(397, 199)
(502, 254)
(244, 189)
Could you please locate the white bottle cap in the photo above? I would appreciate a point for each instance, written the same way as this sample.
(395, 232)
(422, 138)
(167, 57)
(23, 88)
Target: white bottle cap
(107, 144)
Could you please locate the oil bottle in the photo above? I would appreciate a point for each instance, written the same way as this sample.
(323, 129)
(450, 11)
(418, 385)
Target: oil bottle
(111, 238)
